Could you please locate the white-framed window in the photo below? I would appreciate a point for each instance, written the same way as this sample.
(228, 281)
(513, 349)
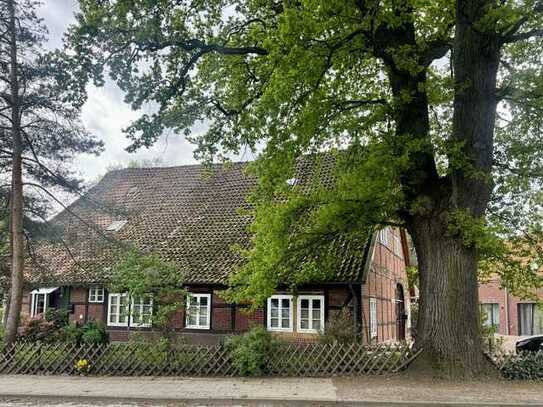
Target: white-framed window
(373, 318)
(280, 313)
(141, 312)
(198, 311)
(38, 304)
(310, 313)
(117, 309)
(40, 300)
(383, 236)
(490, 315)
(96, 294)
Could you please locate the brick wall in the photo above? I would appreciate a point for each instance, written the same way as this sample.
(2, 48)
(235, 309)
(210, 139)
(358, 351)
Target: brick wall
(387, 274)
(491, 293)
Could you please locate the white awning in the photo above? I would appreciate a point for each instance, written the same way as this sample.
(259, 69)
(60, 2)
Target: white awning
(44, 290)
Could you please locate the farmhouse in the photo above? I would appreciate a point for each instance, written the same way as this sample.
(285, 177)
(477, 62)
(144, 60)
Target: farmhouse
(190, 215)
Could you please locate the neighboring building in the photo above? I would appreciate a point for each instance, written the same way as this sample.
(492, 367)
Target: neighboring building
(190, 216)
(509, 315)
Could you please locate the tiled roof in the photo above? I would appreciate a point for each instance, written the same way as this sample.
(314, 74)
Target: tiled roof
(189, 215)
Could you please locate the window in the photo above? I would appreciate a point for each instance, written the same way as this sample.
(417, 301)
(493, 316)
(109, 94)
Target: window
(373, 318)
(39, 304)
(40, 300)
(383, 236)
(117, 313)
(280, 313)
(310, 313)
(142, 310)
(96, 294)
(530, 319)
(116, 225)
(490, 315)
(398, 250)
(198, 311)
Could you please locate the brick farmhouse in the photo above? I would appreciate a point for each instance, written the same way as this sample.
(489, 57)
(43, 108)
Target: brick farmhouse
(190, 216)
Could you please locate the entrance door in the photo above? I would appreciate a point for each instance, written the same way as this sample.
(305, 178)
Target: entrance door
(400, 313)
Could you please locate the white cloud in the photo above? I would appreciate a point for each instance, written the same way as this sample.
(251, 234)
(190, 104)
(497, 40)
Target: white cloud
(105, 114)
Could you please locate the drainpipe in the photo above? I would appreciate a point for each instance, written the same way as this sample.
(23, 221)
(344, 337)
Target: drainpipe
(507, 329)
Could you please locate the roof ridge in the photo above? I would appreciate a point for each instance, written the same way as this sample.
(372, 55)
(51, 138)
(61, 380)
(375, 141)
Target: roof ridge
(171, 167)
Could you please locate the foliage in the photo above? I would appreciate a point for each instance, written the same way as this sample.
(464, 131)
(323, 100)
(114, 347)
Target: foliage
(250, 352)
(90, 333)
(38, 329)
(339, 328)
(436, 108)
(141, 275)
(522, 366)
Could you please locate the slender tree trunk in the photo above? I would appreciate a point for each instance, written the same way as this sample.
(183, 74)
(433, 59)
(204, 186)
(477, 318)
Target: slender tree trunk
(448, 328)
(16, 201)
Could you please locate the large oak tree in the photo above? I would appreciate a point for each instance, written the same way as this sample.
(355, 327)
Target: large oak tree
(435, 106)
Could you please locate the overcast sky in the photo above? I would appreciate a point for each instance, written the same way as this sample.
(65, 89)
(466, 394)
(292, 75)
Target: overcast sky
(105, 113)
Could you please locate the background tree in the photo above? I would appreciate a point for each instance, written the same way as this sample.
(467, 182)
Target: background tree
(434, 105)
(40, 129)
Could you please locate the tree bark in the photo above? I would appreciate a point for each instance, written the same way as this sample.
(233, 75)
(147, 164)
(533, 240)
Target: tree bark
(448, 328)
(16, 201)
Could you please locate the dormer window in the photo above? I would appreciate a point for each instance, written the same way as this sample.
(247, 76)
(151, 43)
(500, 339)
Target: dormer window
(116, 225)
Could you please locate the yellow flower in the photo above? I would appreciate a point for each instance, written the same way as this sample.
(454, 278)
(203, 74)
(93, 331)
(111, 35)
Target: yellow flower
(82, 364)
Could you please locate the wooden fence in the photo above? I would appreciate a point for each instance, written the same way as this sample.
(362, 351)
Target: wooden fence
(140, 359)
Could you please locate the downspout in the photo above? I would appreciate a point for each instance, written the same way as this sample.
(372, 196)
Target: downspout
(507, 329)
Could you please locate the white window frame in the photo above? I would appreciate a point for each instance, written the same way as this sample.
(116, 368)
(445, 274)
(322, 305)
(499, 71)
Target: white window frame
(280, 297)
(383, 236)
(119, 296)
(95, 293)
(139, 305)
(34, 303)
(197, 325)
(310, 298)
(373, 318)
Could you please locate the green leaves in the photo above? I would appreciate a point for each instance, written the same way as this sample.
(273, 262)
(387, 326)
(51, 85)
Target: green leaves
(141, 275)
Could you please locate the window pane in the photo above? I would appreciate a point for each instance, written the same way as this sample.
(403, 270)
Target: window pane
(113, 299)
(274, 322)
(274, 313)
(274, 303)
(538, 320)
(285, 303)
(203, 301)
(304, 324)
(304, 303)
(285, 313)
(316, 314)
(304, 313)
(525, 315)
(193, 300)
(285, 323)
(316, 304)
(203, 319)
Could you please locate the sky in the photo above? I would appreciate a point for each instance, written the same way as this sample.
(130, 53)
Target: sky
(105, 114)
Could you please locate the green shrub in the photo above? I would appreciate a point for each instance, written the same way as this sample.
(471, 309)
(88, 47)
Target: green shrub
(58, 317)
(339, 329)
(94, 332)
(72, 333)
(523, 366)
(251, 351)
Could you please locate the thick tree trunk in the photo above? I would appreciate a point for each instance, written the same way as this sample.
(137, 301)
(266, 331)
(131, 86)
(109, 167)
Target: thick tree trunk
(448, 328)
(16, 201)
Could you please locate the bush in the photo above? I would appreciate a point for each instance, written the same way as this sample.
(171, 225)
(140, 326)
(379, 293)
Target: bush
(38, 329)
(251, 351)
(72, 333)
(523, 366)
(339, 329)
(94, 333)
(58, 317)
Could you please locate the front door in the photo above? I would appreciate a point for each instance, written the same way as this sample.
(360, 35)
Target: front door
(400, 313)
